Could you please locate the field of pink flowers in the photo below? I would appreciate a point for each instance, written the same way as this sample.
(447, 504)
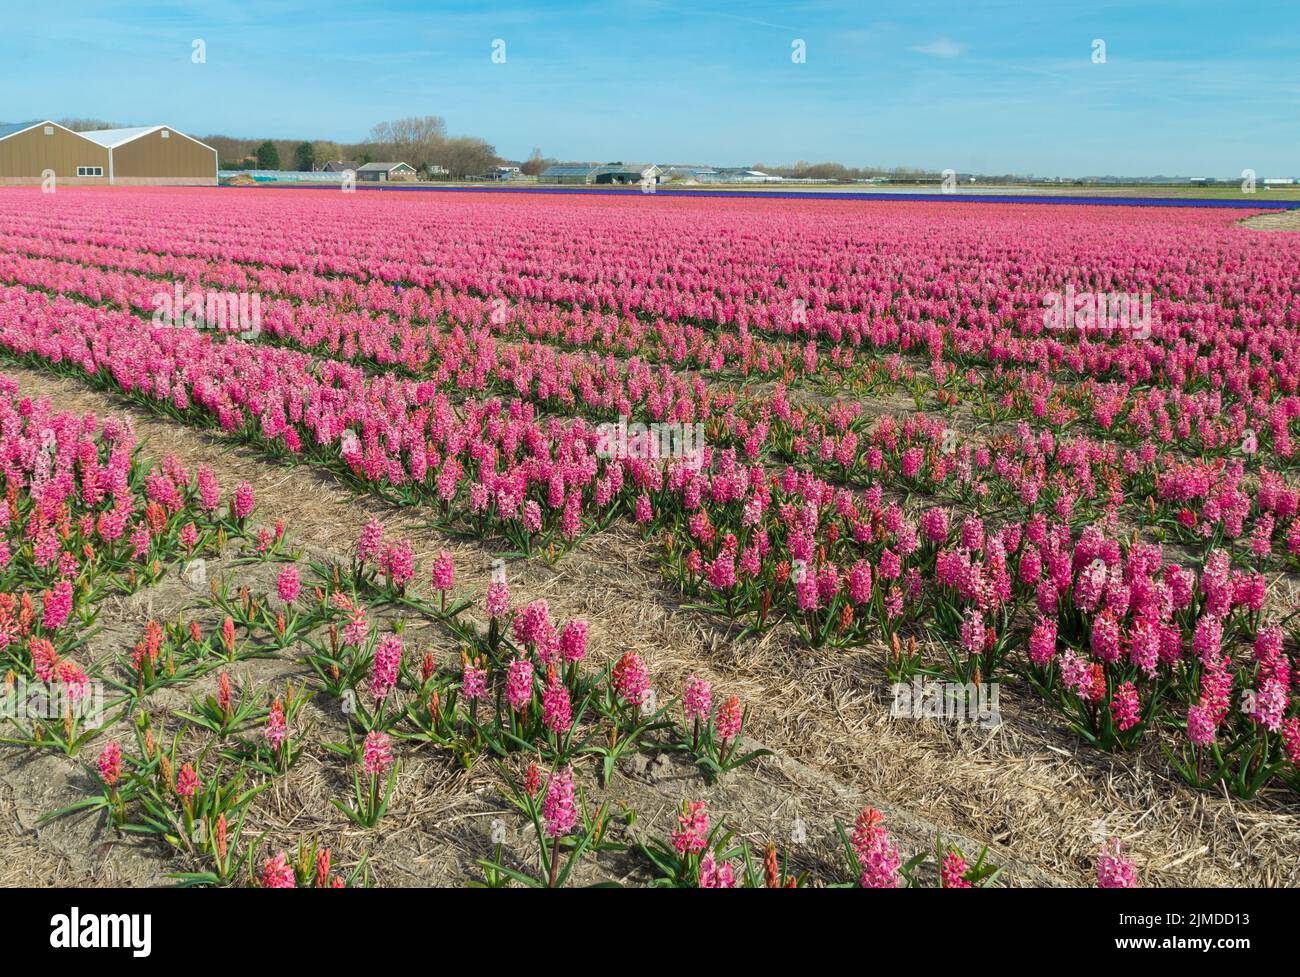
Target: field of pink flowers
(899, 453)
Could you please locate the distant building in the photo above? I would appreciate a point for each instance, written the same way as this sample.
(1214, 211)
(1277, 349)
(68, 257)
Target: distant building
(435, 170)
(500, 173)
(733, 174)
(718, 174)
(697, 174)
(386, 172)
(281, 176)
(567, 173)
(144, 155)
(339, 166)
(606, 173)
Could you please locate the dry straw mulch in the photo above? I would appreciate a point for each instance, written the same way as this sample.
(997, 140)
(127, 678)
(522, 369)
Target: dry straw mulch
(1041, 798)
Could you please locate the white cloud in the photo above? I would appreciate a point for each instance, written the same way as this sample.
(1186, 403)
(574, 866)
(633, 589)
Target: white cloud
(943, 47)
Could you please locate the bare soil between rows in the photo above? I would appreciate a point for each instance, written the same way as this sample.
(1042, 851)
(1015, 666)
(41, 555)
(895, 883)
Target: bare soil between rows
(1285, 220)
(1039, 797)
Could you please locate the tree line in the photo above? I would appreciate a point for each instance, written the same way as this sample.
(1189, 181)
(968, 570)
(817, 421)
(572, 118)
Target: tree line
(421, 141)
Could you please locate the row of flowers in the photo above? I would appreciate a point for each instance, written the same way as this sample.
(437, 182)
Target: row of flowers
(395, 327)
(969, 280)
(1079, 478)
(754, 545)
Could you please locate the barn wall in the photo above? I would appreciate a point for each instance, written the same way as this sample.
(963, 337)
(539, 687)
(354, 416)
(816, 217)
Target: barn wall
(63, 181)
(165, 181)
(25, 155)
(151, 158)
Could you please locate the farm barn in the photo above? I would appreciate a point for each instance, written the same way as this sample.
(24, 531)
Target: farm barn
(586, 173)
(28, 149)
(386, 172)
(146, 155)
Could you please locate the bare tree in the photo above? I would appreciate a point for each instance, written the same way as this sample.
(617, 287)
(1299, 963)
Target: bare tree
(535, 164)
(87, 125)
(469, 156)
(417, 140)
(326, 151)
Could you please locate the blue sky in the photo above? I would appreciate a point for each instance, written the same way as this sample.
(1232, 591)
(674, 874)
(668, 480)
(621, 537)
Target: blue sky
(1187, 88)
